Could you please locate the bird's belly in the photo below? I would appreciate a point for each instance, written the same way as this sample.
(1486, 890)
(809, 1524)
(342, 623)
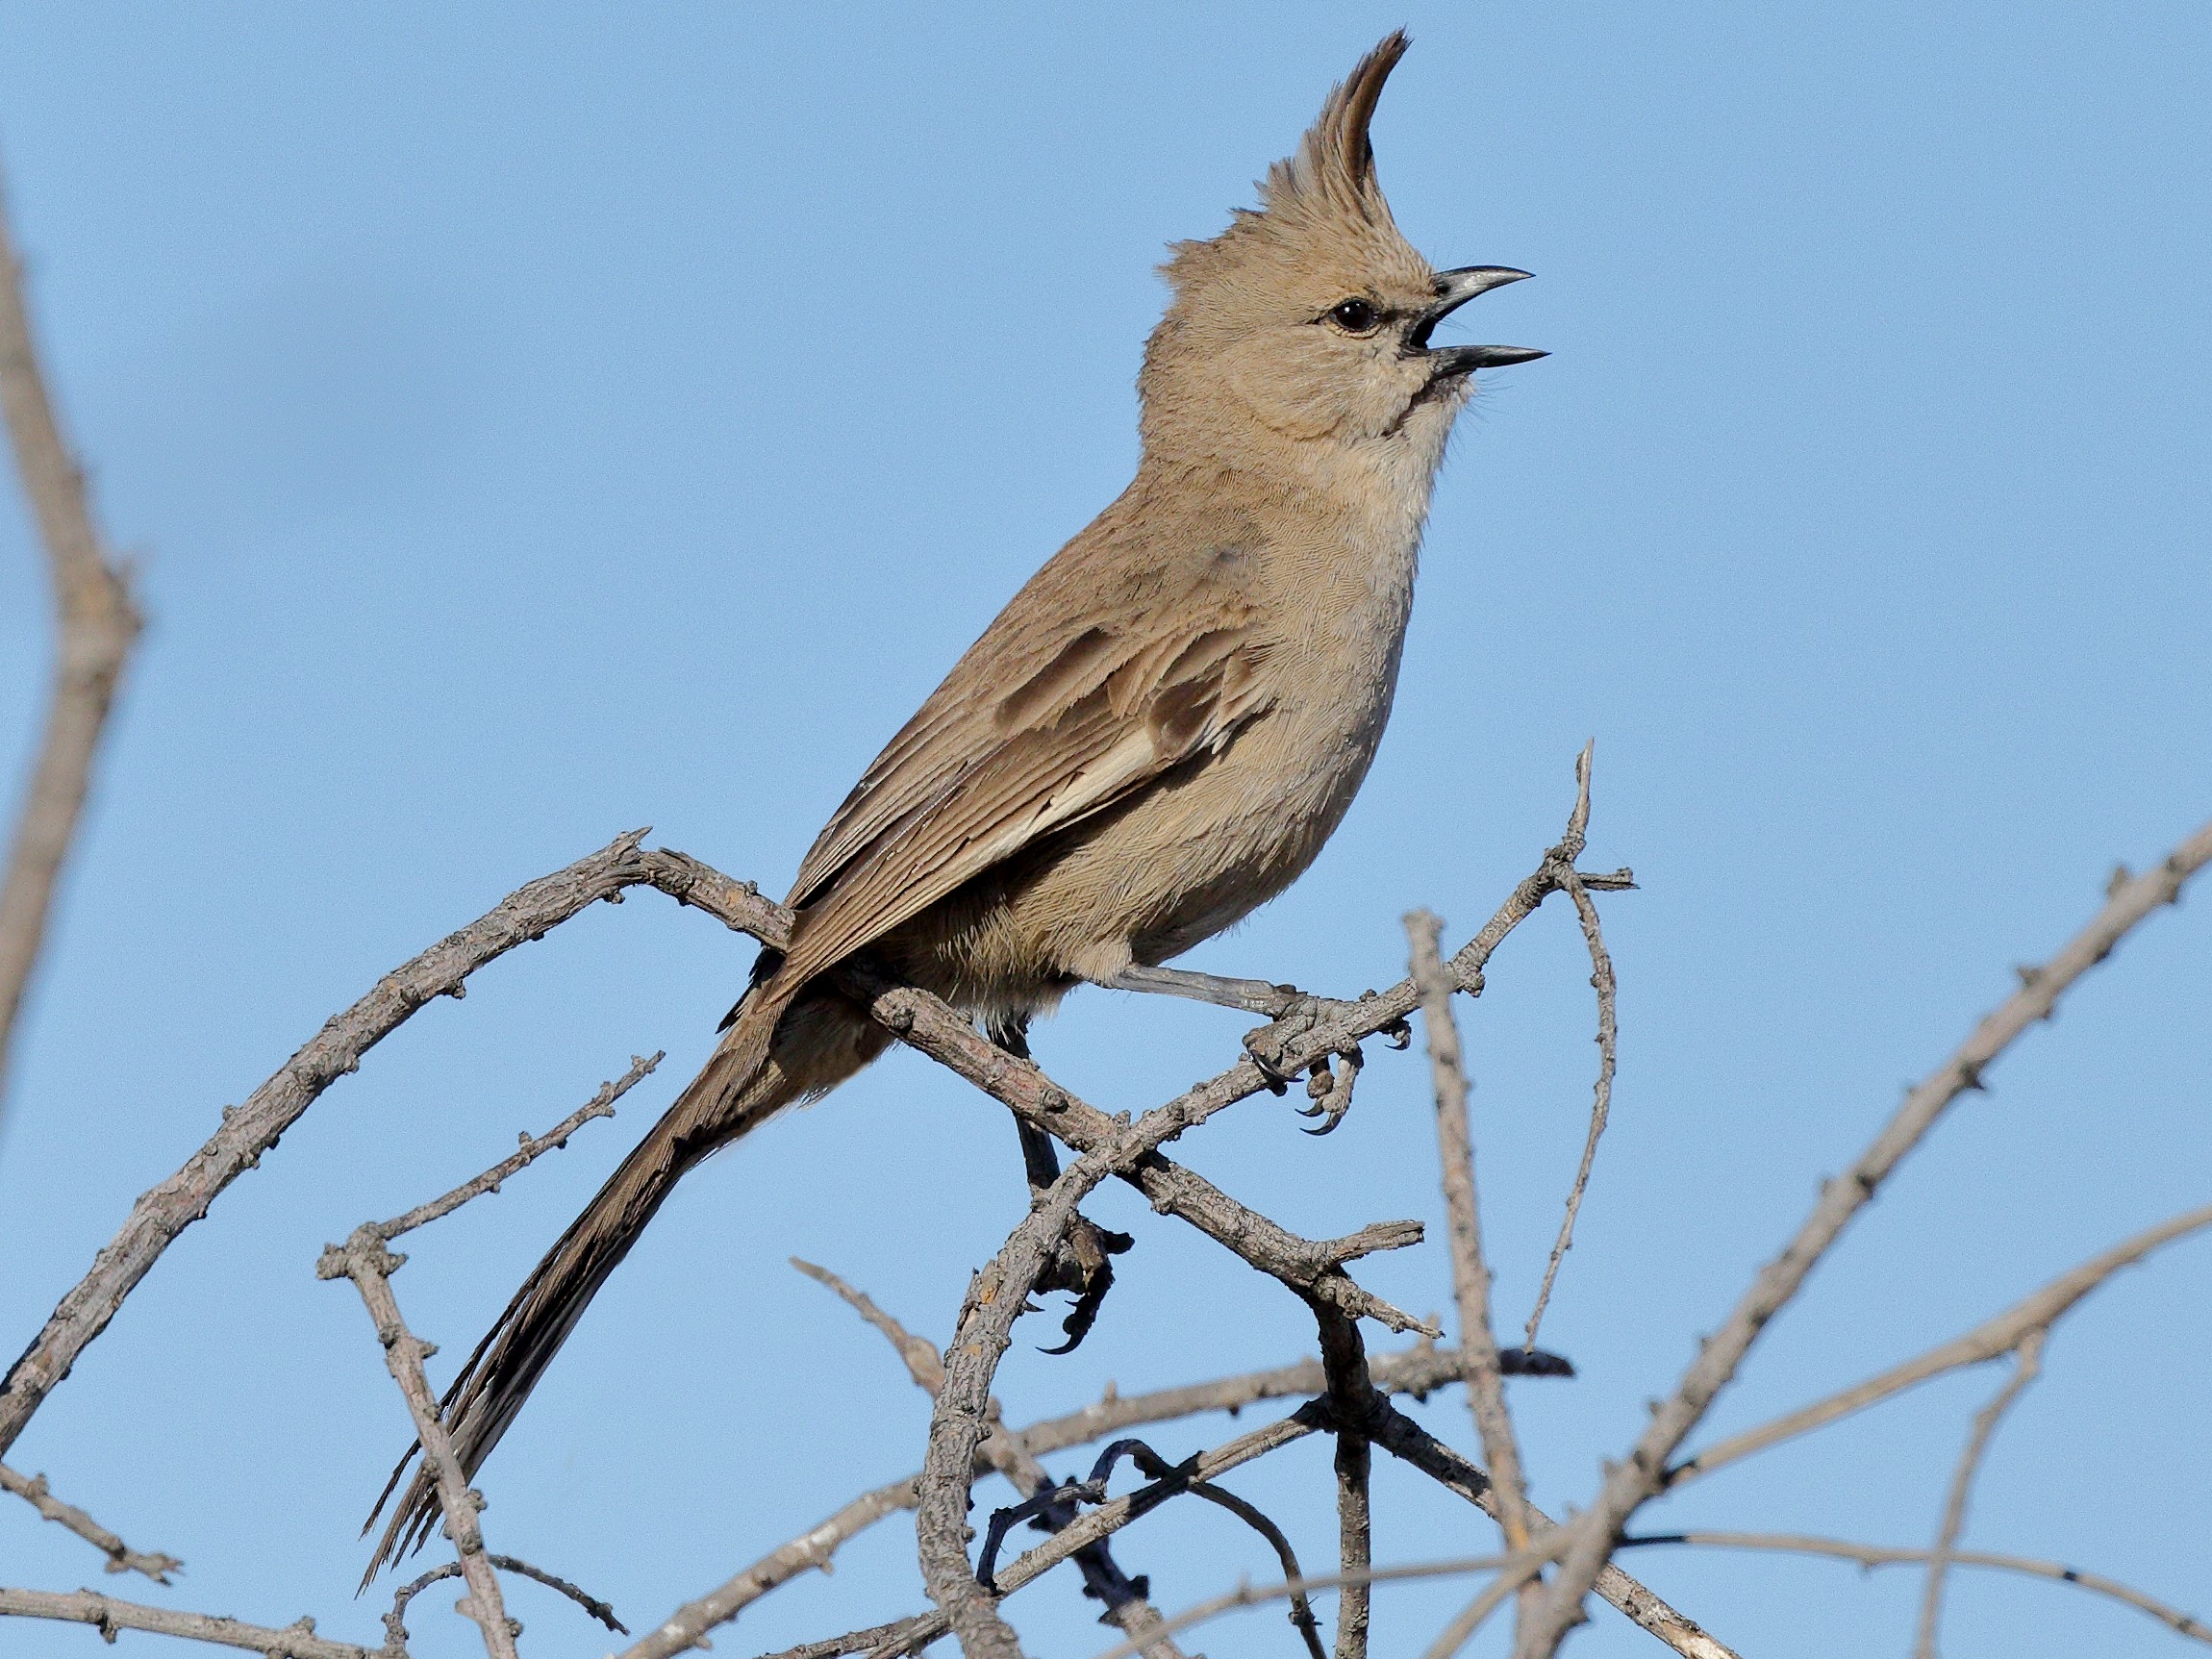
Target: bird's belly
(1197, 854)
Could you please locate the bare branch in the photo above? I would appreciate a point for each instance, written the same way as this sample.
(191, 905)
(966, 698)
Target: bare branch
(686, 1627)
(364, 1259)
(1601, 1102)
(1256, 1594)
(1469, 1272)
(924, 1362)
(1418, 1371)
(1126, 1608)
(997, 1298)
(2025, 1367)
(107, 1615)
(168, 1208)
(1405, 1438)
(97, 624)
(1995, 1337)
(531, 1149)
(1642, 1473)
(121, 1557)
(396, 1621)
(1872, 1555)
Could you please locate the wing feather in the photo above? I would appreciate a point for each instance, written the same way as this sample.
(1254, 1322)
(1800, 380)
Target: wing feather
(1060, 711)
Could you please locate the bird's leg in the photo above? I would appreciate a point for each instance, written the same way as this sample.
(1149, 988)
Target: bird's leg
(1082, 1265)
(1290, 1012)
(1252, 996)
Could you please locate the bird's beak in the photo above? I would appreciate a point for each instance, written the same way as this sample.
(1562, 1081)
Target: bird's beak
(1454, 289)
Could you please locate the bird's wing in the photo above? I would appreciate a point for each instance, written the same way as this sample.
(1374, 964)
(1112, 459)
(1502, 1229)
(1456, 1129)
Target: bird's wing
(1081, 693)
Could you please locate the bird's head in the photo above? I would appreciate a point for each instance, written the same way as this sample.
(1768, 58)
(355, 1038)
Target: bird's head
(1311, 315)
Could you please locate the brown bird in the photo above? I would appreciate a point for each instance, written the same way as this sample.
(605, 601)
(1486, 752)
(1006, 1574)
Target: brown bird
(1154, 736)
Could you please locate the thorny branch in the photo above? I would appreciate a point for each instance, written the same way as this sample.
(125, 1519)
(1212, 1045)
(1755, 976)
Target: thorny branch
(97, 624)
(2129, 901)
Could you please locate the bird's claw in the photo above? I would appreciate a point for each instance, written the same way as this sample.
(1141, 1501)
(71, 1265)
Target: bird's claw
(1268, 1044)
(1331, 1091)
(1083, 1267)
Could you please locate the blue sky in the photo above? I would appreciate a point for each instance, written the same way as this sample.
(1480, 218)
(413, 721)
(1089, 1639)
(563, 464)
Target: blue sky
(535, 423)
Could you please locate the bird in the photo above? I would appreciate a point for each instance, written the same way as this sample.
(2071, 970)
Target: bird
(1156, 735)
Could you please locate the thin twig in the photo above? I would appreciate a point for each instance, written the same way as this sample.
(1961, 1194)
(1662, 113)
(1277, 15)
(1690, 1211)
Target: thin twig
(1870, 1555)
(2027, 1364)
(167, 1209)
(107, 1615)
(1126, 1608)
(1632, 1481)
(924, 1362)
(121, 1557)
(1469, 1272)
(364, 1260)
(1417, 1370)
(528, 1152)
(1987, 1340)
(1406, 1440)
(1256, 1594)
(96, 625)
(395, 1624)
(1601, 980)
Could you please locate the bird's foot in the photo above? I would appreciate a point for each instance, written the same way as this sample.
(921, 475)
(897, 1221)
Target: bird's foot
(1268, 1044)
(1083, 1266)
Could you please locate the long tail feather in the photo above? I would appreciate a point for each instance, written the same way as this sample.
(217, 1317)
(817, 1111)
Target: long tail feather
(739, 1090)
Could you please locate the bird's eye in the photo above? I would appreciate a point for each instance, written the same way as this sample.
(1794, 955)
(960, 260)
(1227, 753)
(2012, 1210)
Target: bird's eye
(1355, 316)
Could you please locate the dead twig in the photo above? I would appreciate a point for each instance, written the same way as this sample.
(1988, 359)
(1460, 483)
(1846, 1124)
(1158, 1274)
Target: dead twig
(1872, 1555)
(2027, 1364)
(396, 1621)
(107, 1615)
(1256, 1594)
(530, 1149)
(1988, 1340)
(96, 624)
(1124, 1597)
(1602, 981)
(121, 1557)
(364, 1260)
(167, 1209)
(1469, 1272)
(1417, 1370)
(1635, 1479)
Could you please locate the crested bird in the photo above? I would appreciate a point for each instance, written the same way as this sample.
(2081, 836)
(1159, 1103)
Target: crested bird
(1156, 735)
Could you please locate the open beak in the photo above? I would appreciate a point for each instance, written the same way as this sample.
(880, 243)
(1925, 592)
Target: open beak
(1454, 289)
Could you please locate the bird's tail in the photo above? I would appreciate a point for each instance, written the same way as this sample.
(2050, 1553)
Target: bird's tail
(740, 1089)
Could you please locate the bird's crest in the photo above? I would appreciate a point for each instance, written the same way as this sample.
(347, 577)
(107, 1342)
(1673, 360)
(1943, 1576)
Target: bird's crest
(1323, 198)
